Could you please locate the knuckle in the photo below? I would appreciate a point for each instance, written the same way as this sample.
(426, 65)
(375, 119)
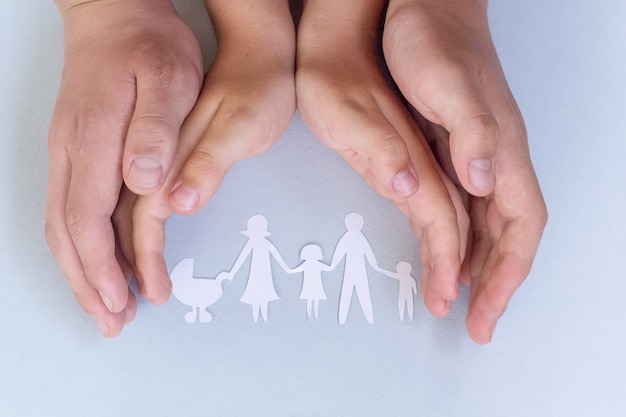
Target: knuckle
(158, 291)
(386, 155)
(165, 68)
(204, 164)
(76, 216)
(389, 148)
(153, 129)
(497, 298)
(484, 125)
(253, 126)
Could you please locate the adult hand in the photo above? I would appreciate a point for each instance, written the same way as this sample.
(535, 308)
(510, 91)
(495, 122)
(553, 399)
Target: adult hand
(441, 56)
(246, 104)
(132, 72)
(345, 100)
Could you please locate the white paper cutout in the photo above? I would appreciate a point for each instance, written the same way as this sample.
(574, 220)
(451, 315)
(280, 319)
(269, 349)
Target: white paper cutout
(260, 287)
(312, 286)
(197, 293)
(408, 287)
(354, 246)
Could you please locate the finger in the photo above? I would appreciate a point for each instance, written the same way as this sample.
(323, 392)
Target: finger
(481, 241)
(490, 297)
(127, 269)
(368, 138)
(124, 250)
(148, 218)
(63, 249)
(449, 92)
(94, 188)
(506, 267)
(357, 127)
(440, 221)
(474, 130)
(440, 243)
(122, 221)
(214, 138)
(473, 142)
(441, 265)
(187, 182)
(222, 144)
(164, 98)
(465, 277)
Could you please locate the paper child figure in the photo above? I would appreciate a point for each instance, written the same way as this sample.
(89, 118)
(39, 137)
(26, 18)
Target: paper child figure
(408, 287)
(260, 287)
(312, 285)
(354, 246)
(197, 293)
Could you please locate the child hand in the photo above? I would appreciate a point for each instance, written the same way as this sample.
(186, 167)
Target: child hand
(247, 102)
(441, 55)
(346, 102)
(132, 72)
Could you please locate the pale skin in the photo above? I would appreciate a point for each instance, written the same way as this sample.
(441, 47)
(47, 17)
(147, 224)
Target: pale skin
(441, 55)
(345, 100)
(131, 74)
(435, 207)
(246, 103)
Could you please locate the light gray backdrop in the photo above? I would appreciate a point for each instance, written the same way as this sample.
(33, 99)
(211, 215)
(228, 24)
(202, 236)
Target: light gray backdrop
(558, 351)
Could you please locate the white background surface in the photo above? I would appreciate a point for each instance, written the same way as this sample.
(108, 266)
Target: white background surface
(560, 349)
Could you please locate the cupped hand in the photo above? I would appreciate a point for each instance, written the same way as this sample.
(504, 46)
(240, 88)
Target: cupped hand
(132, 72)
(441, 56)
(247, 102)
(345, 100)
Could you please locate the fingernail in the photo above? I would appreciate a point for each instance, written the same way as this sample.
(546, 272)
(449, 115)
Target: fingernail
(146, 171)
(185, 197)
(107, 302)
(404, 183)
(102, 326)
(481, 175)
(448, 305)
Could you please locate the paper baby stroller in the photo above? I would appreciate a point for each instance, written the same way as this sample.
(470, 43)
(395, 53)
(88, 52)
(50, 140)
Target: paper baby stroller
(197, 293)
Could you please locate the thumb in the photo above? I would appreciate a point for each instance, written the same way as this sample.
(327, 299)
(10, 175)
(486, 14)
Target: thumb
(370, 142)
(461, 108)
(473, 141)
(209, 149)
(161, 106)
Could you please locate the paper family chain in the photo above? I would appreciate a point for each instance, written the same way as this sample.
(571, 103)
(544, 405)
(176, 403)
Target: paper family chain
(353, 246)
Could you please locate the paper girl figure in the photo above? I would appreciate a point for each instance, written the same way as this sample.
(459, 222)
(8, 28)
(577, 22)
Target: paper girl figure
(260, 287)
(312, 285)
(353, 245)
(408, 287)
(197, 293)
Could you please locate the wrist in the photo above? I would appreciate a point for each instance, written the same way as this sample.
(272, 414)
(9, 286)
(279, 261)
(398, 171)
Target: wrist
(64, 6)
(244, 29)
(84, 18)
(325, 23)
(443, 6)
